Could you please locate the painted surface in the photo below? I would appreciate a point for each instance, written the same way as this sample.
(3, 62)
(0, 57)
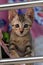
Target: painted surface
(3, 15)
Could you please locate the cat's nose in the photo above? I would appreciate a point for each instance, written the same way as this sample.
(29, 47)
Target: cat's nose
(21, 31)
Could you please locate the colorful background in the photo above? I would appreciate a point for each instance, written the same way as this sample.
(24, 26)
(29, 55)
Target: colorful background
(37, 29)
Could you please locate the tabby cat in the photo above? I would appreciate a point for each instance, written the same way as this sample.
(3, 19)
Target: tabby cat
(20, 38)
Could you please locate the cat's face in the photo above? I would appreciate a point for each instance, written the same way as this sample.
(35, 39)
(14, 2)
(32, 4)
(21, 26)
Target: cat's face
(21, 24)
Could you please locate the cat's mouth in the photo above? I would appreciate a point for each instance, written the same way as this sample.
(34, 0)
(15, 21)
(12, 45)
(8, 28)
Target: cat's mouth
(21, 33)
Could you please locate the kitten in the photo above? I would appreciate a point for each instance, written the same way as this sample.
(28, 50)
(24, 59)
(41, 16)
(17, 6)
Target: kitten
(20, 38)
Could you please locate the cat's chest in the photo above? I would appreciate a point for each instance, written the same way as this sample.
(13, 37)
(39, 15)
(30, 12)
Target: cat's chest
(21, 41)
(21, 44)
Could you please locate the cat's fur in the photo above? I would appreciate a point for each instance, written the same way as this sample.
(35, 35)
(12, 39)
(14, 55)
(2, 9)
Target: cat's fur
(20, 38)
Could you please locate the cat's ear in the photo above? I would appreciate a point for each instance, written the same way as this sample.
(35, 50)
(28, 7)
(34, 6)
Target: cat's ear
(30, 13)
(11, 14)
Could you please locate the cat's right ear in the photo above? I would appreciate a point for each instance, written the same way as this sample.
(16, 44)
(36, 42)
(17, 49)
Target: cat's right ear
(11, 14)
(30, 13)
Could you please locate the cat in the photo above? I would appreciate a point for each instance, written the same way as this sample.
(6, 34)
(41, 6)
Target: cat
(20, 37)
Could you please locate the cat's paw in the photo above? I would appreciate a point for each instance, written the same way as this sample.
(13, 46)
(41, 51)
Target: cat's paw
(14, 54)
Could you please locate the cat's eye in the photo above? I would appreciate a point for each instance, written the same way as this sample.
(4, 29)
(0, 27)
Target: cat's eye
(17, 25)
(26, 25)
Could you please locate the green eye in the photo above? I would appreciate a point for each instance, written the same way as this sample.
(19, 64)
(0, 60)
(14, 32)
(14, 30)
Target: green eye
(26, 25)
(17, 25)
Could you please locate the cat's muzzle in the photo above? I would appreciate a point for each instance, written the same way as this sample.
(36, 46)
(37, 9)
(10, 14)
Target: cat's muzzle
(21, 31)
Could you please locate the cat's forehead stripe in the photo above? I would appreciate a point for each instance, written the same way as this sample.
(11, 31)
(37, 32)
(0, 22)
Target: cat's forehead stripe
(21, 17)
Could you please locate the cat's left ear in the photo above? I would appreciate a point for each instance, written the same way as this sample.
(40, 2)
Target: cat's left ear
(30, 13)
(11, 14)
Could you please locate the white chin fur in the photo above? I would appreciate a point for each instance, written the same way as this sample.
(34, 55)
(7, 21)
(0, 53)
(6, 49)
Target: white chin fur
(20, 35)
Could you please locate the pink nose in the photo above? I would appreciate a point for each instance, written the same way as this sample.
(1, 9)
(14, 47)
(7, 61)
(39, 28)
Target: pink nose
(21, 30)
(40, 14)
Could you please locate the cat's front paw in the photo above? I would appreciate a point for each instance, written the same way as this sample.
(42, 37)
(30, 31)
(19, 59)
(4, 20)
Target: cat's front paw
(14, 54)
(28, 50)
